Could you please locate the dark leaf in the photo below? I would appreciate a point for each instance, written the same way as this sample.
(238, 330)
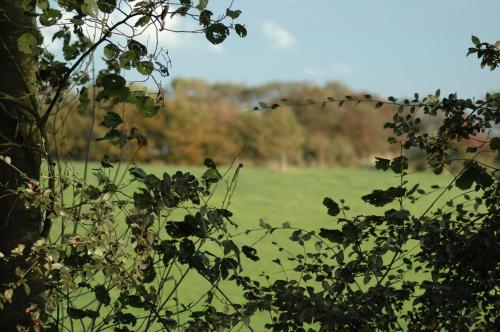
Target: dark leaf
(399, 164)
(102, 295)
(241, 30)
(216, 33)
(250, 253)
(125, 318)
(106, 6)
(111, 51)
(234, 14)
(332, 235)
(333, 207)
(383, 197)
(495, 143)
(111, 120)
(382, 163)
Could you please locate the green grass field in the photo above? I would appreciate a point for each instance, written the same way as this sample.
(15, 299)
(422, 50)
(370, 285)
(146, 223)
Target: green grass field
(296, 197)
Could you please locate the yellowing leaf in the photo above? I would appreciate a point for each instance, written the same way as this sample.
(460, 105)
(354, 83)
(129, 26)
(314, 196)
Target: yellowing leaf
(27, 43)
(90, 8)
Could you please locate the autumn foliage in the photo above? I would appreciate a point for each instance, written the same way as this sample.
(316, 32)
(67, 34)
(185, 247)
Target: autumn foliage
(198, 120)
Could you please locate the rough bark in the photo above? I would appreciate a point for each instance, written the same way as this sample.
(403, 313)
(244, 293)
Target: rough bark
(20, 141)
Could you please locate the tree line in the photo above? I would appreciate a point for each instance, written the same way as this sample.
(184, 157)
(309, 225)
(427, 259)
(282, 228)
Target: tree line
(197, 119)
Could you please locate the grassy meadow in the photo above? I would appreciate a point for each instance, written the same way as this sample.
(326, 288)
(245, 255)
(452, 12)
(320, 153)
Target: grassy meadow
(294, 196)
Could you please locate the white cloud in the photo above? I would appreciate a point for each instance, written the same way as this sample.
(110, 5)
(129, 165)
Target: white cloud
(279, 36)
(170, 39)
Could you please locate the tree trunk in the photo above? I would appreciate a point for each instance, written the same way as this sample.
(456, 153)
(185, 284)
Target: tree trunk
(20, 141)
(284, 161)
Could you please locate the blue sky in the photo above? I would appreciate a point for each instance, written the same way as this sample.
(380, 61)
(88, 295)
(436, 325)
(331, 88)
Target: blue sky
(389, 47)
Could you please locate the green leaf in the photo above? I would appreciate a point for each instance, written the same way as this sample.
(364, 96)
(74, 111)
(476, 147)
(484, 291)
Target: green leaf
(399, 164)
(397, 216)
(70, 51)
(382, 163)
(76, 313)
(106, 6)
(113, 86)
(138, 49)
(110, 135)
(495, 143)
(333, 235)
(209, 163)
(145, 104)
(392, 140)
(113, 81)
(350, 231)
(216, 33)
(202, 5)
(125, 318)
(91, 192)
(333, 207)
(474, 173)
(186, 250)
(182, 10)
(241, 30)
(145, 67)
(205, 17)
(111, 51)
(111, 120)
(475, 40)
(383, 197)
(138, 172)
(230, 246)
(250, 253)
(379, 263)
(467, 178)
(234, 14)
(102, 295)
(367, 277)
(134, 301)
(27, 43)
(27, 288)
(50, 17)
(90, 8)
(143, 21)
(211, 175)
(80, 314)
(340, 257)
